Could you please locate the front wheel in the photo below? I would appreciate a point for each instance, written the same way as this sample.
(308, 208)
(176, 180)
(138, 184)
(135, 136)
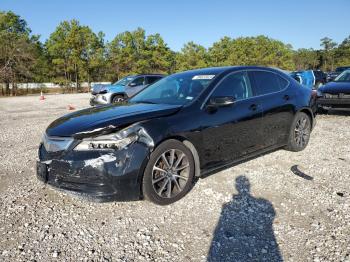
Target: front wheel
(118, 99)
(169, 174)
(300, 133)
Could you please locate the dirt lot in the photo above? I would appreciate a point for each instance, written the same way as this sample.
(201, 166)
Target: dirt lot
(282, 206)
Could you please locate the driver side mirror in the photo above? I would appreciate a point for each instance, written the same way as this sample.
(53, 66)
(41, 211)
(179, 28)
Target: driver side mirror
(221, 101)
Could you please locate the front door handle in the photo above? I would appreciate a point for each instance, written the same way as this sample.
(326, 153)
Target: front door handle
(286, 97)
(253, 107)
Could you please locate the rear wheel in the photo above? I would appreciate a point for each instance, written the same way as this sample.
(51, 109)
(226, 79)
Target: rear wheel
(169, 174)
(118, 99)
(300, 133)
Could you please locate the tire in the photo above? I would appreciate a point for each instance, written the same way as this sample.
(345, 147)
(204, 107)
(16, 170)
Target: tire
(299, 135)
(162, 183)
(118, 99)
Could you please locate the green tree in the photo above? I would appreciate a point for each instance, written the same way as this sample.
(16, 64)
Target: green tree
(342, 53)
(134, 52)
(328, 53)
(75, 52)
(220, 51)
(192, 56)
(306, 59)
(261, 50)
(17, 50)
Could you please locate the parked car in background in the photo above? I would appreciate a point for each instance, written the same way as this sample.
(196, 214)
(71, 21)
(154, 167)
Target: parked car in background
(332, 75)
(320, 78)
(335, 94)
(97, 88)
(185, 126)
(310, 78)
(122, 89)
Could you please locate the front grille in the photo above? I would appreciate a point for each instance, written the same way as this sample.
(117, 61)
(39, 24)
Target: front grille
(330, 96)
(344, 95)
(340, 96)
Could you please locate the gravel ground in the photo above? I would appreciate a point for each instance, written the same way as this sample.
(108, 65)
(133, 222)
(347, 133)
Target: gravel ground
(282, 206)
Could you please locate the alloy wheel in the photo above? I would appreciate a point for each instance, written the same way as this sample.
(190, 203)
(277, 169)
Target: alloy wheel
(302, 132)
(170, 173)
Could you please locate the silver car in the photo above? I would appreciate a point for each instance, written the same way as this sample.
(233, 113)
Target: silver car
(122, 89)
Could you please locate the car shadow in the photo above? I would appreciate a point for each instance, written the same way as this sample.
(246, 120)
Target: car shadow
(339, 112)
(244, 231)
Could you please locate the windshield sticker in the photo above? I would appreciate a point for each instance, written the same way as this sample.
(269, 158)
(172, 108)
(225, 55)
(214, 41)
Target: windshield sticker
(201, 77)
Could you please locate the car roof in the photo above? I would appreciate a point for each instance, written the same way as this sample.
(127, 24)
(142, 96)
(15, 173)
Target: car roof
(149, 75)
(218, 70)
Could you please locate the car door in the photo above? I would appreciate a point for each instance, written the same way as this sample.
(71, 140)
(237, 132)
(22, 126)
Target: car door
(233, 131)
(135, 86)
(277, 100)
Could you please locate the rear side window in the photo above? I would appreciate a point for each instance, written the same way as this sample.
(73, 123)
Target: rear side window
(152, 79)
(267, 82)
(236, 85)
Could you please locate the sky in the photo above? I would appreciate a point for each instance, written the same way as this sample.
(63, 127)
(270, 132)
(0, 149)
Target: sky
(301, 23)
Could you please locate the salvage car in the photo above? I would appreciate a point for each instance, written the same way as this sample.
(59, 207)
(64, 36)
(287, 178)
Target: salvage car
(122, 89)
(183, 127)
(333, 75)
(310, 78)
(334, 94)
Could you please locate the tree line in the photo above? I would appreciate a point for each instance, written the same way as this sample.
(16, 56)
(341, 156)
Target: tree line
(73, 53)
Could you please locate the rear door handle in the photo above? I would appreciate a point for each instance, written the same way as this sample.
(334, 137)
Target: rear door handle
(286, 97)
(253, 107)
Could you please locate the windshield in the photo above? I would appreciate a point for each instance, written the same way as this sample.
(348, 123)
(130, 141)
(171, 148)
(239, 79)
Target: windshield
(124, 81)
(177, 89)
(343, 77)
(341, 69)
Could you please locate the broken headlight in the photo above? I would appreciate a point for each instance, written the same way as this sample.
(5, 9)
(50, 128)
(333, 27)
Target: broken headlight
(118, 140)
(56, 144)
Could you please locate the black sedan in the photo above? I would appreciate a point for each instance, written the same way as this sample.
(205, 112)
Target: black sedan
(183, 127)
(335, 94)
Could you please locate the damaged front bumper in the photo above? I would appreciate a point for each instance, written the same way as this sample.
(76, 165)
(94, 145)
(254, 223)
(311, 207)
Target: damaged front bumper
(100, 99)
(106, 175)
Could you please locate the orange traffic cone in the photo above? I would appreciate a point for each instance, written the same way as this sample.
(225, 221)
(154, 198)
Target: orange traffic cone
(70, 107)
(41, 96)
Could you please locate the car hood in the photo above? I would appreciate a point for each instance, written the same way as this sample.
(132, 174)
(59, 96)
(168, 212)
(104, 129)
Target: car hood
(87, 121)
(336, 88)
(113, 88)
(96, 88)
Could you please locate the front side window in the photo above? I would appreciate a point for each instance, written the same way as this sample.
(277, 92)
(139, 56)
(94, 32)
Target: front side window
(267, 82)
(235, 85)
(177, 89)
(124, 81)
(138, 81)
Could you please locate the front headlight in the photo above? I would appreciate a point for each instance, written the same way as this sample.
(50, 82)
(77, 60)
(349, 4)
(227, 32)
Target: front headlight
(56, 144)
(319, 93)
(116, 141)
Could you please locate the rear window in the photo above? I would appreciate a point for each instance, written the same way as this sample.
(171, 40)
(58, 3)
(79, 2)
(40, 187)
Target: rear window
(267, 82)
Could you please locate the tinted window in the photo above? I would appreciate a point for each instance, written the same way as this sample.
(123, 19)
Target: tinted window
(152, 79)
(138, 81)
(236, 85)
(267, 82)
